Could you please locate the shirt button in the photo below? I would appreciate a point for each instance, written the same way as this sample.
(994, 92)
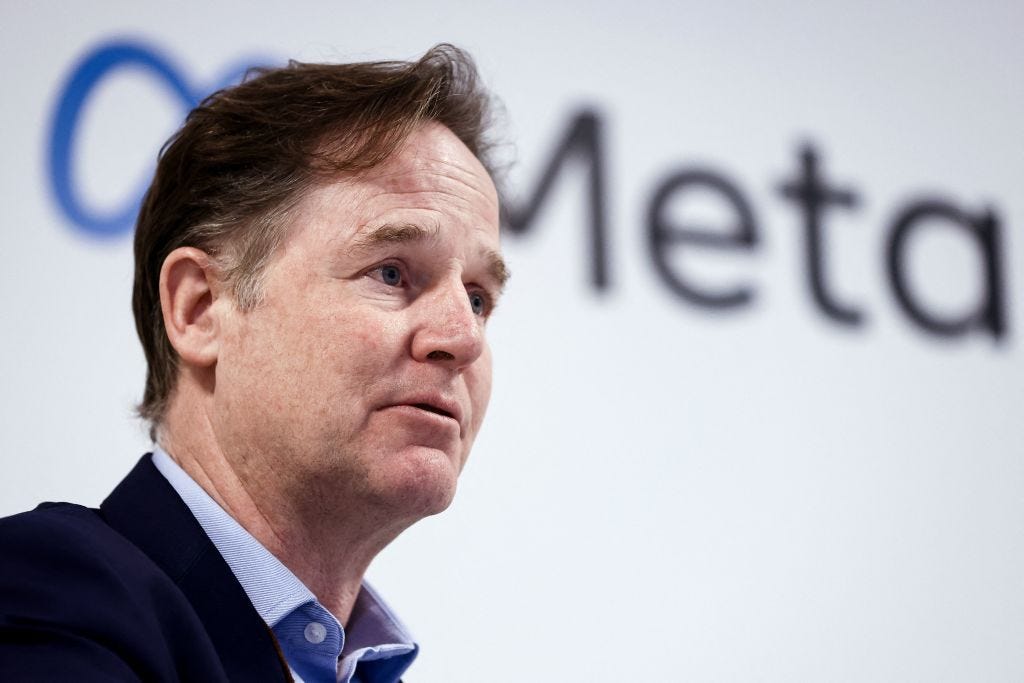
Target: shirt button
(315, 632)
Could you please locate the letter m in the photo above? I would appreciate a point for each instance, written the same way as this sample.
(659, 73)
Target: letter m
(581, 142)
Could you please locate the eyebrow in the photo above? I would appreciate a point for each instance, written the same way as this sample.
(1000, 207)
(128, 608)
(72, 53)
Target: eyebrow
(407, 232)
(395, 234)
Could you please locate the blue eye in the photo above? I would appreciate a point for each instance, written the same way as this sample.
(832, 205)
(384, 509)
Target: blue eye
(391, 275)
(478, 302)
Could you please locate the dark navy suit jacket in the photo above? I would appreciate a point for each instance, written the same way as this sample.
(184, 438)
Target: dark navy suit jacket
(132, 591)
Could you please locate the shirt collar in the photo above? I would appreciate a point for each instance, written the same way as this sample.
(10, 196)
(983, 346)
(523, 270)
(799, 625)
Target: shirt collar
(375, 635)
(273, 589)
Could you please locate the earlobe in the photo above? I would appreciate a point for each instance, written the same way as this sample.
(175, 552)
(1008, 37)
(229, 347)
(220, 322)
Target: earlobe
(188, 289)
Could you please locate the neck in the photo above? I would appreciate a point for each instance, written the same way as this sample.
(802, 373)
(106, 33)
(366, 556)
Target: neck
(327, 539)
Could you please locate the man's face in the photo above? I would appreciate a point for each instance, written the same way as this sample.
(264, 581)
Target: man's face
(365, 371)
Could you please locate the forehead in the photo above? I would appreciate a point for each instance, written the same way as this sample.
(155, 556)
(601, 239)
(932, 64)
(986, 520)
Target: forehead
(433, 158)
(432, 180)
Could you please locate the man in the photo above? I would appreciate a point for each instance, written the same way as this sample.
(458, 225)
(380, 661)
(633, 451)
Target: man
(316, 261)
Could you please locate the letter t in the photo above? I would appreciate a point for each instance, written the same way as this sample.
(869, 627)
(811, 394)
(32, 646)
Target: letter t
(811, 192)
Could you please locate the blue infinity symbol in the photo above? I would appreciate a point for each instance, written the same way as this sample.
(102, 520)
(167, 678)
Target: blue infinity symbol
(102, 62)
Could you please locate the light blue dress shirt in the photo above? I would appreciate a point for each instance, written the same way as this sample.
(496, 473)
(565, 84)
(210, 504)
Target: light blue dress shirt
(376, 647)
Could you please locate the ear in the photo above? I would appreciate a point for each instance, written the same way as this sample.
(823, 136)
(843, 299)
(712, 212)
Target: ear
(188, 289)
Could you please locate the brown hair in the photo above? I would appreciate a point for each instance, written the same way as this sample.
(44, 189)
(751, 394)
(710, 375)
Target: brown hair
(225, 182)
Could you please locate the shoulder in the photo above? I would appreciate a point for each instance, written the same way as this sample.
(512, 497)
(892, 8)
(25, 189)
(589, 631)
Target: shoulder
(77, 596)
(46, 529)
(57, 548)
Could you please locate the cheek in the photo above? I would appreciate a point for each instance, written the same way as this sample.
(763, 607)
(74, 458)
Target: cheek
(281, 349)
(478, 382)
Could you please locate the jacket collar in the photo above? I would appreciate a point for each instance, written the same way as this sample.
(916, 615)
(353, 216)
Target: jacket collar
(147, 511)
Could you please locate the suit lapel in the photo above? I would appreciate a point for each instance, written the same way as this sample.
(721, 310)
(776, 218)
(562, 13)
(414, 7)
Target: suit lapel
(147, 511)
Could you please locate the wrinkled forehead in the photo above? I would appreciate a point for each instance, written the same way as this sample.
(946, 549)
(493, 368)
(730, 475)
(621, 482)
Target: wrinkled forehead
(433, 161)
(432, 182)
(439, 184)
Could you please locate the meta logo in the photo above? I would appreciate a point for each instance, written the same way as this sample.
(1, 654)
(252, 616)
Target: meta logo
(813, 198)
(104, 62)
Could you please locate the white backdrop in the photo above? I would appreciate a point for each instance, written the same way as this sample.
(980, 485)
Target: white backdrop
(663, 491)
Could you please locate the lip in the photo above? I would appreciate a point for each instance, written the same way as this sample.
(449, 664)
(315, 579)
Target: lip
(435, 403)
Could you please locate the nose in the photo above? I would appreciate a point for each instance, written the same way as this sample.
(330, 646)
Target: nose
(448, 331)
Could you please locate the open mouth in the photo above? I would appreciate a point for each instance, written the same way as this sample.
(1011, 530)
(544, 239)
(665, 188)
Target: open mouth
(433, 409)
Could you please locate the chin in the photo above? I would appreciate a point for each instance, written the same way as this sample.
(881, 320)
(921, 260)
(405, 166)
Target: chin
(420, 482)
